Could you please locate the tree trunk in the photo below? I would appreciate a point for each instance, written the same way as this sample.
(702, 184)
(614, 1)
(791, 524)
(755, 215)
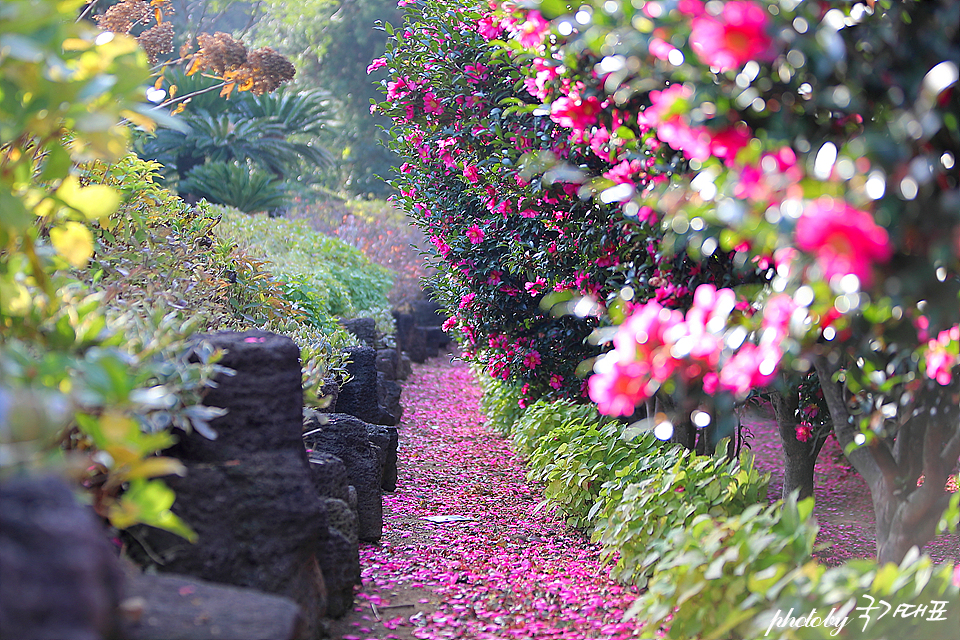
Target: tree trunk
(927, 444)
(799, 458)
(684, 432)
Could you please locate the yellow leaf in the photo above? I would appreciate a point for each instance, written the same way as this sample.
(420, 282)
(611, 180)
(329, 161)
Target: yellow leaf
(158, 15)
(74, 242)
(95, 201)
(227, 90)
(173, 90)
(116, 426)
(45, 207)
(142, 121)
(75, 44)
(159, 83)
(195, 65)
(156, 467)
(247, 85)
(122, 456)
(179, 109)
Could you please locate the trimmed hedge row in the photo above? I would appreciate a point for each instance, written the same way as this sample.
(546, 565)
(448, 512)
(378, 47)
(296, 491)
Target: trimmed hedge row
(716, 561)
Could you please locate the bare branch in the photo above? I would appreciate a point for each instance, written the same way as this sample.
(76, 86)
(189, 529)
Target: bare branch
(186, 96)
(253, 16)
(87, 10)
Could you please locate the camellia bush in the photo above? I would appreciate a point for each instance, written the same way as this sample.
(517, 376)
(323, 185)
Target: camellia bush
(517, 242)
(819, 141)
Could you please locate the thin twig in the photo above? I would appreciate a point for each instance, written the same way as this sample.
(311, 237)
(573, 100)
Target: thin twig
(190, 95)
(376, 613)
(87, 10)
(253, 14)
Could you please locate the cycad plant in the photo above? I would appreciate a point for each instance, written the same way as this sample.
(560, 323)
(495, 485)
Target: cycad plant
(235, 184)
(267, 144)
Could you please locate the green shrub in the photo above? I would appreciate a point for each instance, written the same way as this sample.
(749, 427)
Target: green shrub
(665, 490)
(334, 276)
(544, 416)
(720, 571)
(741, 577)
(916, 582)
(575, 460)
(500, 402)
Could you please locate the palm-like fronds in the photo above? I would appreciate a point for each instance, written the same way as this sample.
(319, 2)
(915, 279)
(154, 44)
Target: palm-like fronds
(276, 133)
(239, 186)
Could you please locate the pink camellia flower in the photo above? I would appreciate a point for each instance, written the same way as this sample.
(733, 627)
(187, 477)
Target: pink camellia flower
(667, 114)
(531, 32)
(536, 287)
(751, 367)
(776, 315)
(489, 27)
(939, 359)
(690, 7)
(660, 49)
(431, 104)
(575, 112)
(475, 73)
(556, 381)
(727, 143)
(532, 359)
(843, 239)
(625, 172)
(736, 35)
(803, 431)
(471, 173)
(617, 392)
(397, 88)
(475, 234)
(376, 64)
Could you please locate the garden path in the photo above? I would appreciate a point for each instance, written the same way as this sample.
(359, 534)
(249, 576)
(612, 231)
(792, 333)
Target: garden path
(513, 571)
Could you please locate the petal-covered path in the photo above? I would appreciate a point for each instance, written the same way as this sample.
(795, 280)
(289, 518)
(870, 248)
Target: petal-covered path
(511, 572)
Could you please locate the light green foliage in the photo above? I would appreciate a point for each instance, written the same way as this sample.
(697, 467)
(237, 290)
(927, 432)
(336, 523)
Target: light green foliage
(649, 498)
(544, 416)
(917, 581)
(500, 402)
(331, 275)
(577, 458)
(721, 571)
(72, 373)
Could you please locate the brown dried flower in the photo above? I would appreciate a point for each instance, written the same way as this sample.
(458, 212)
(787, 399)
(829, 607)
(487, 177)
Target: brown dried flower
(157, 40)
(120, 18)
(269, 70)
(219, 53)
